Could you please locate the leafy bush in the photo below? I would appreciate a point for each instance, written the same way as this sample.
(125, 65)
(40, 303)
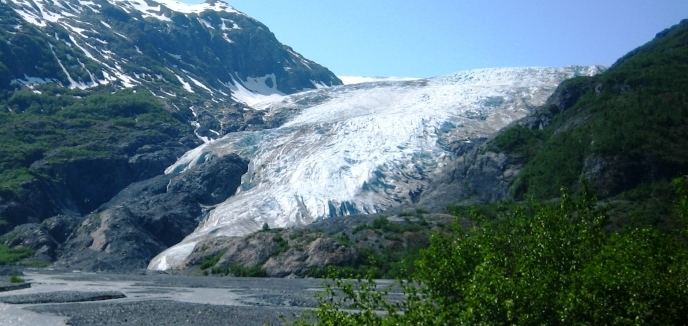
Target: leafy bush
(210, 262)
(536, 263)
(13, 255)
(282, 245)
(14, 278)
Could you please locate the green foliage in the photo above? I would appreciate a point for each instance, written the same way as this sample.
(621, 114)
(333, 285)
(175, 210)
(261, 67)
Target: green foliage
(536, 263)
(14, 278)
(210, 262)
(364, 298)
(282, 244)
(518, 139)
(630, 120)
(13, 255)
(380, 223)
(344, 239)
(62, 125)
(681, 209)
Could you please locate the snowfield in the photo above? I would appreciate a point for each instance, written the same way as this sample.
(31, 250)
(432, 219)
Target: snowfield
(362, 148)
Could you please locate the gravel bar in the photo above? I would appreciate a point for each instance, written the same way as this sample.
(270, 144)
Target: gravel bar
(165, 312)
(61, 297)
(4, 287)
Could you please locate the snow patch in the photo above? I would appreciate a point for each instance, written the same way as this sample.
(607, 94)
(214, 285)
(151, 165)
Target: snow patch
(256, 92)
(349, 80)
(185, 84)
(199, 84)
(197, 8)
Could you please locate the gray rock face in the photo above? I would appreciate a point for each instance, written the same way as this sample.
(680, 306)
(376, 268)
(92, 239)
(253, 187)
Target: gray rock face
(43, 238)
(149, 216)
(320, 253)
(79, 186)
(480, 175)
(610, 175)
(274, 253)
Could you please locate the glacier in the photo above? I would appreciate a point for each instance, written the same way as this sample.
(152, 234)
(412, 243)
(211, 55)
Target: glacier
(359, 149)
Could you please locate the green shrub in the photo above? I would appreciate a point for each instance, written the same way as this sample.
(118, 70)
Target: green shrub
(282, 245)
(14, 278)
(210, 262)
(13, 255)
(536, 263)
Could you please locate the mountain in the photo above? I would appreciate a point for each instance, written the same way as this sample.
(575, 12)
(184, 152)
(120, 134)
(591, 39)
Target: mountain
(154, 134)
(96, 95)
(622, 134)
(208, 61)
(359, 149)
(619, 135)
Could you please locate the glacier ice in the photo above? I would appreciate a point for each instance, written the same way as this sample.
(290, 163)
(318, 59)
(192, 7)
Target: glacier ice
(361, 148)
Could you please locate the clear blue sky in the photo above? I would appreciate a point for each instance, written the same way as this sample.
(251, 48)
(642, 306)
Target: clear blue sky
(422, 38)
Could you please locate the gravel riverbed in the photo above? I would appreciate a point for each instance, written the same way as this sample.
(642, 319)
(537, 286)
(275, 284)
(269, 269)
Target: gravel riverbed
(74, 298)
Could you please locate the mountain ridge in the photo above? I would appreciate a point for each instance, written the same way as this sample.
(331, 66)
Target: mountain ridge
(205, 59)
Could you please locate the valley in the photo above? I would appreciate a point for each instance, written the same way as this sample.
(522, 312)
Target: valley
(172, 163)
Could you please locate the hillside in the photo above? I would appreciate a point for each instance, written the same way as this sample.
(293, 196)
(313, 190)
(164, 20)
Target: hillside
(617, 130)
(620, 130)
(95, 95)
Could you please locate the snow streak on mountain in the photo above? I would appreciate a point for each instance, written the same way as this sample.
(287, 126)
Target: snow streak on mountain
(361, 148)
(208, 61)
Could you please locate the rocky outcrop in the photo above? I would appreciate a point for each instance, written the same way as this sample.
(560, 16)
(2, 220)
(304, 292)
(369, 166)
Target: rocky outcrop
(80, 185)
(342, 242)
(44, 238)
(148, 217)
(482, 174)
(320, 253)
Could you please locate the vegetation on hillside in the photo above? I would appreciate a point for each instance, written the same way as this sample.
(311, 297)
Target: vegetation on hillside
(534, 263)
(377, 246)
(622, 129)
(42, 130)
(12, 255)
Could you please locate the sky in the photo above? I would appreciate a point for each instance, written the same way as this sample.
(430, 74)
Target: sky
(423, 38)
